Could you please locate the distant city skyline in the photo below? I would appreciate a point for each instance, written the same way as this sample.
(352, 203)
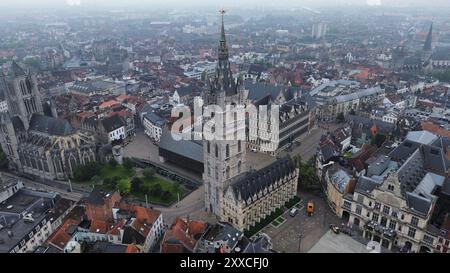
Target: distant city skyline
(105, 4)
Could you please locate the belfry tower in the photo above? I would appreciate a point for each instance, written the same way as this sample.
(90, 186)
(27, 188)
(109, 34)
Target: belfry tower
(224, 155)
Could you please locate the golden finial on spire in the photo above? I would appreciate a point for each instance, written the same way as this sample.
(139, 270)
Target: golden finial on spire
(222, 12)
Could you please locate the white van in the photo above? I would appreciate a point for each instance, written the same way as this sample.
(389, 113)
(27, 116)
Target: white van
(293, 212)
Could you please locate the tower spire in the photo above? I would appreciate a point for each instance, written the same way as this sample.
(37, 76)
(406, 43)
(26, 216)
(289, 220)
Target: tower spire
(223, 49)
(428, 41)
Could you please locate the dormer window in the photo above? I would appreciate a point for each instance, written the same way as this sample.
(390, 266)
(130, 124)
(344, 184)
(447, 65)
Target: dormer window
(391, 187)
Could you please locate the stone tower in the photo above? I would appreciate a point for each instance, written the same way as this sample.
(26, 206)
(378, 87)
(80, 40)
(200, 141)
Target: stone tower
(224, 156)
(21, 93)
(427, 47)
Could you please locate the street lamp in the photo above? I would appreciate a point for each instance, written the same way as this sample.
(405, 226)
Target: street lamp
(300, 242)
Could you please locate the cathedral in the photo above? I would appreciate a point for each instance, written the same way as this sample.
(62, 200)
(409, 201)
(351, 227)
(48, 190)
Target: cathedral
(232, 193)
(37, 144)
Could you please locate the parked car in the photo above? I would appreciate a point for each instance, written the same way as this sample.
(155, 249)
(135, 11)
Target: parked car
(335, 229)
(293, 212)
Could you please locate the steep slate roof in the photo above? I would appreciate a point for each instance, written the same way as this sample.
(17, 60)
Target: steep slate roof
(418, 203)
(366, 184)
(113, 123)
(255, 69)
(382, 127)
(50, 125)
(258, 91)
(435, 159)
(155, 119)
(254, 182)
(191, 89)
(423, 137)
(404, 150)
(17, 123)
(428, 184)
(378, 166)
(16, 70)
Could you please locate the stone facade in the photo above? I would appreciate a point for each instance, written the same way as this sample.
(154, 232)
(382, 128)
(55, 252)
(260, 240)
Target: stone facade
(254, 197)
(35, 144)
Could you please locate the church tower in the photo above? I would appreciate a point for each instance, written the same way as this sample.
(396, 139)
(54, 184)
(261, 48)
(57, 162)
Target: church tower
(427, 47)
(224, 155)
(21, 93)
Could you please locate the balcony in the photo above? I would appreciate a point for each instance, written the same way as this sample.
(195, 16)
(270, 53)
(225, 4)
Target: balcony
(379, 229)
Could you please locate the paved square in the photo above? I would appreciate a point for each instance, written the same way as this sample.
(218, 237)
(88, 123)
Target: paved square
(337, 243)
(286, 236)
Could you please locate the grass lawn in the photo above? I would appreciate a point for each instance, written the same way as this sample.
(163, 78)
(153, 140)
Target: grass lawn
(166, 185)
(277, 222)
(109, 172)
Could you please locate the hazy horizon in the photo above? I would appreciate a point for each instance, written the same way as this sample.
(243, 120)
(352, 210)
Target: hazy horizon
(125, 4)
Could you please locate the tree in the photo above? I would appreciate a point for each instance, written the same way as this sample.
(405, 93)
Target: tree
(378, 140)
(124, 186)
(340, 117)
(307, 174)
(149, 173)
(86, 172)
(34, 63)
(127, 163)
(156, 190)
(96, 180)
(112, 162)
(165, 195)
(4, 162)
(137, 185)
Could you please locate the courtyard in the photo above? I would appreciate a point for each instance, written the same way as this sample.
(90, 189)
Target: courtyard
(285, 231)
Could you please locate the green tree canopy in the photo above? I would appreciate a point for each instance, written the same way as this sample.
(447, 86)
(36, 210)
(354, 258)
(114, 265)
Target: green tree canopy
(149, 173)
(112, 162)
(4, 162)
(86, 172)
(124, 187)
(137, 185)
(340, 117)
(127, 163)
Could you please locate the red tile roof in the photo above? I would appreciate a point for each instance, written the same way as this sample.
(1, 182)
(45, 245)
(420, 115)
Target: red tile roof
(184, 232)
(99, 226)
(132, 249)
(60, 238)
(109, 104)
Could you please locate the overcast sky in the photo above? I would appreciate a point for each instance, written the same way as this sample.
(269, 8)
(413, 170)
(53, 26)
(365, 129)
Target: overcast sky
(108, 4)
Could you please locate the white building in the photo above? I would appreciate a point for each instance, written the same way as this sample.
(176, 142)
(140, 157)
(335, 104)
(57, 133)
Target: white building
(30, 225)
(114, 127)
(153, 125)
(3, 106)
(319, 30)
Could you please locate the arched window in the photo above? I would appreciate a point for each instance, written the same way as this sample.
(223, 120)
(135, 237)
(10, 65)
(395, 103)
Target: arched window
(239, 166)
(228, 150)
(217, 151)
(208, 146)
(239, 146)
(228, 172)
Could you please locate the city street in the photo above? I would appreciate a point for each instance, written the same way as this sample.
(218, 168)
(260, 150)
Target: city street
(75, 195)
